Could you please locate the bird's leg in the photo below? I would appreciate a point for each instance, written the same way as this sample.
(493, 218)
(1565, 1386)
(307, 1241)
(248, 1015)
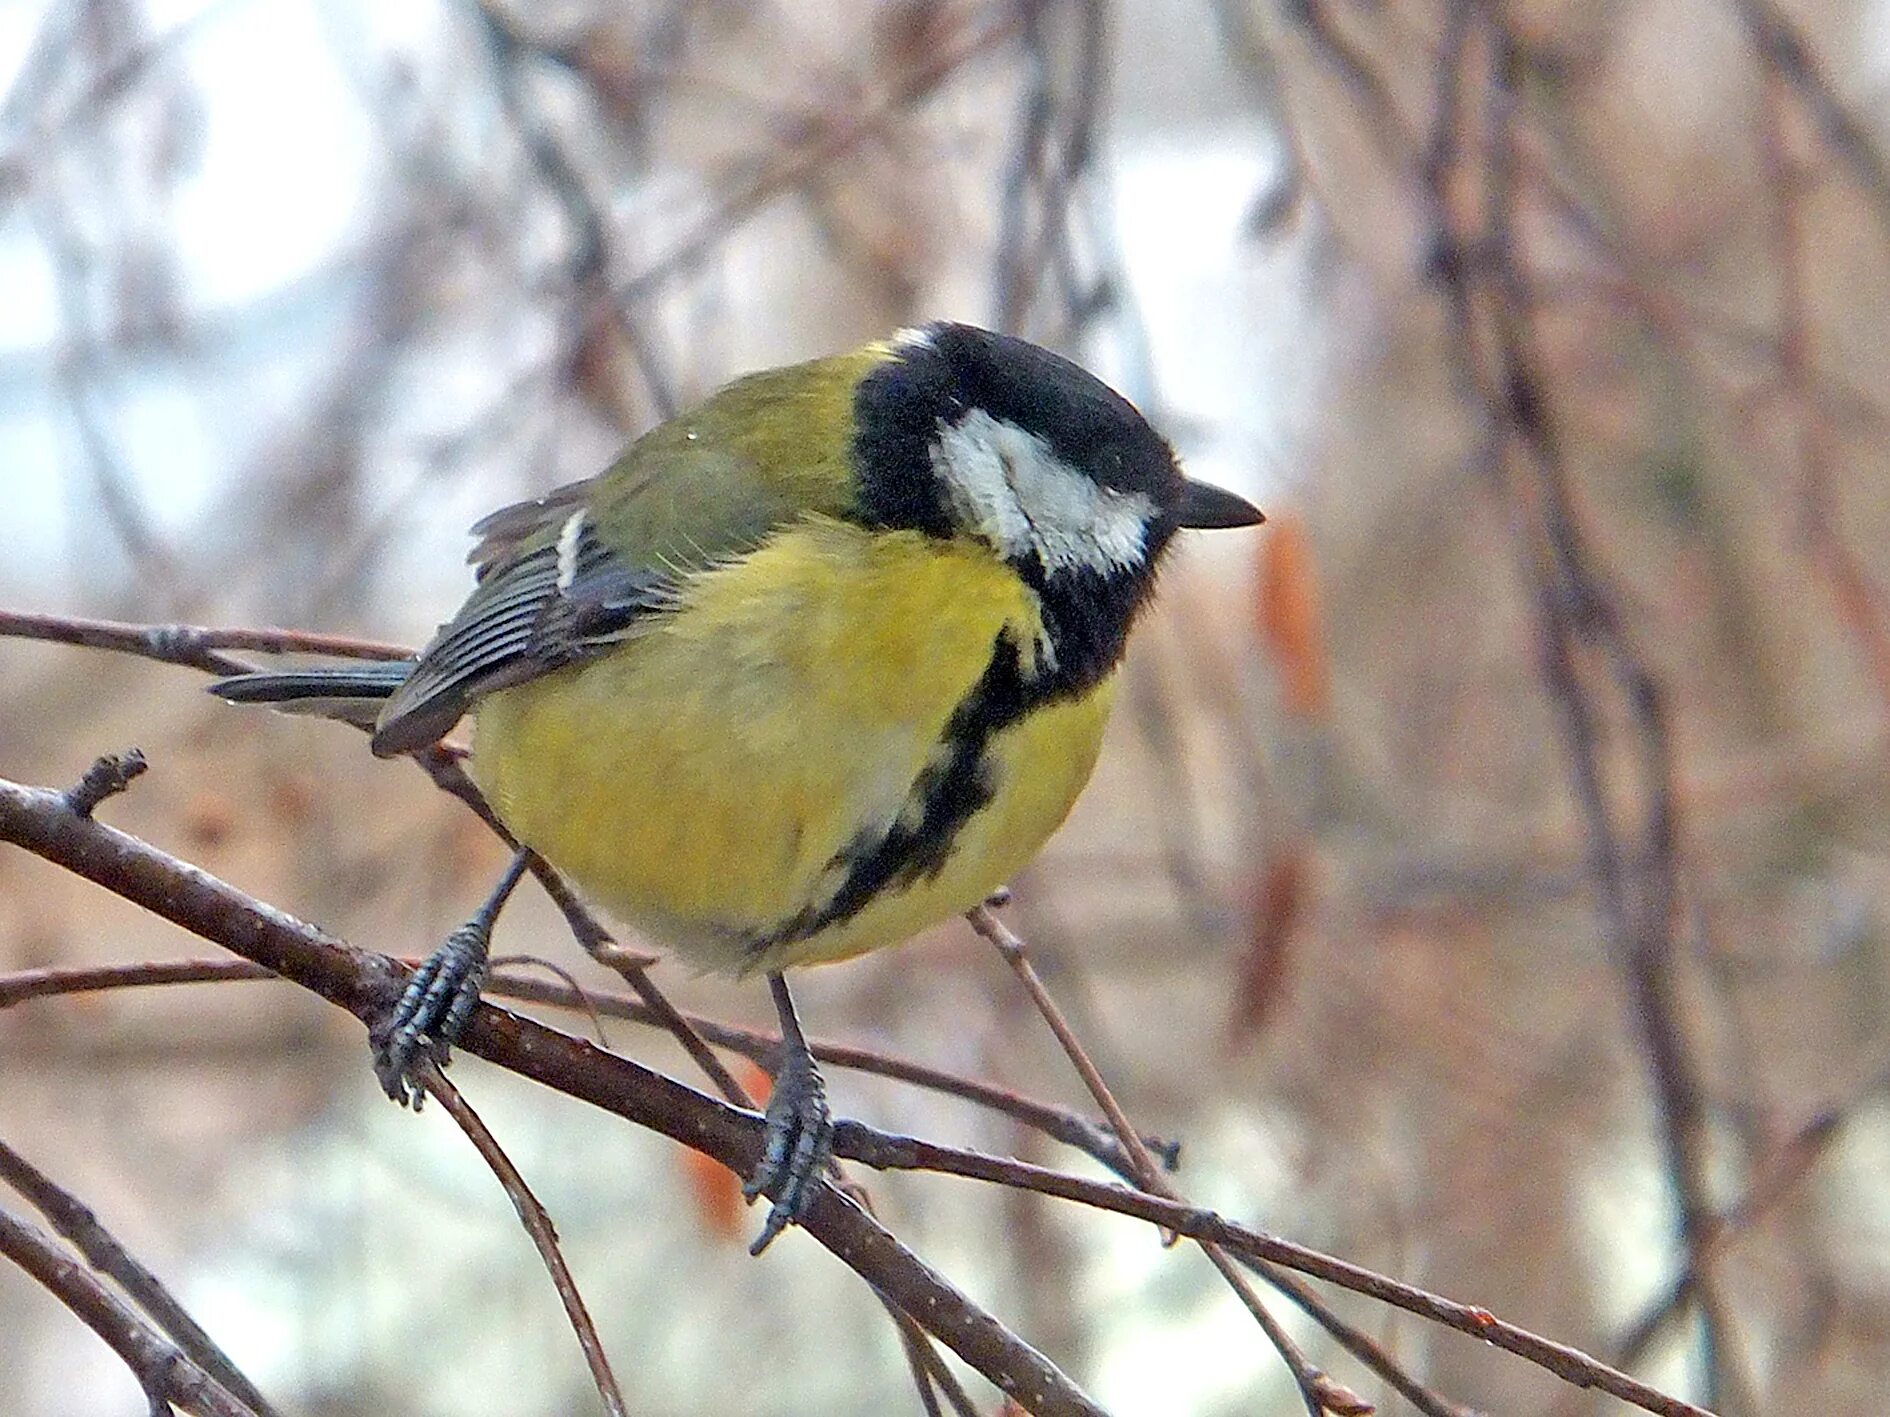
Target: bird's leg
(440, 997)
(799, 1139)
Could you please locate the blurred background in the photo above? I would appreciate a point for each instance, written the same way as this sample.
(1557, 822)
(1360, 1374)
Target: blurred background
(1487, 875)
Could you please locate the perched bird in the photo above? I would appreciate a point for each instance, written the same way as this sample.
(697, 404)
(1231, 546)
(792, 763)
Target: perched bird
(812, 666)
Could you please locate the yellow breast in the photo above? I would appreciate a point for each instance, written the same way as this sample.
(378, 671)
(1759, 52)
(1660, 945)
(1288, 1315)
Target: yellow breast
(709, 781)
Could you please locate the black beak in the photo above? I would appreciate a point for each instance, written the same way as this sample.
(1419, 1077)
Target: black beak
(1214, 508)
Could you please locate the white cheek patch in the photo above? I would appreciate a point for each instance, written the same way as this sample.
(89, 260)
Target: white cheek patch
(1009, 487)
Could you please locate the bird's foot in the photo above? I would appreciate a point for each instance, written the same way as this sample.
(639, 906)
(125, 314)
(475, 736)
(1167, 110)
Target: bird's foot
(798, 1146)
(433, 1012)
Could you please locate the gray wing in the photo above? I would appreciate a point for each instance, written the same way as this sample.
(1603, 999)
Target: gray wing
(550, 594)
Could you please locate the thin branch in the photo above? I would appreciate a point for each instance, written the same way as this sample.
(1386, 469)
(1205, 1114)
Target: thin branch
(1318, 1390)
(1361, 1345)
(168, 1377)
(192, 646)
(1784, 52)
(1061, 1124)
(537, 1224)
(1632, 855)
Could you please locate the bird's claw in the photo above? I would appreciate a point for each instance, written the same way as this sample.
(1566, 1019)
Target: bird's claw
(798, 1147)
(432, 1012)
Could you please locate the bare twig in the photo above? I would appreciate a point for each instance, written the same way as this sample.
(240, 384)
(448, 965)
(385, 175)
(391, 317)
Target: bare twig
(537, 1224)
(75, 1221)
(107, 777)
(168, 1377)
(1317, 1389)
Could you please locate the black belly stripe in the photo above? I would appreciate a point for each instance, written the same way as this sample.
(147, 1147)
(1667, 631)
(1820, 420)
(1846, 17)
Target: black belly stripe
(1086, 619)
(953, 788)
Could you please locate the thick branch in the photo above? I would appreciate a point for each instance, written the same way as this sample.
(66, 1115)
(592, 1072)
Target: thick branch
(366, 983)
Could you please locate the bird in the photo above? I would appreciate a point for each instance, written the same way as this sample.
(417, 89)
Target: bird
(811, 666)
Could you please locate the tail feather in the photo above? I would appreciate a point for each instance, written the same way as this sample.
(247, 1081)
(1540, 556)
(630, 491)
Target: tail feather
(353, 693)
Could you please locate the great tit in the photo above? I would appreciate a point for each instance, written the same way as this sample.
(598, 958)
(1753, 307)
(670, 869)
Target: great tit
(808, 668)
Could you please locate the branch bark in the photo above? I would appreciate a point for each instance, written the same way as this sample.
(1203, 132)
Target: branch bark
(366, 984)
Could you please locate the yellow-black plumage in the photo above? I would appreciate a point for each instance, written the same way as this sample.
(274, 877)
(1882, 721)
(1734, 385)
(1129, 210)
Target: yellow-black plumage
(808, 668)
(744, 775)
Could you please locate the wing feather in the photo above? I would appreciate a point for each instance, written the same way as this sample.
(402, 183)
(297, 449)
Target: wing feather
(572, 573)
(538, 609)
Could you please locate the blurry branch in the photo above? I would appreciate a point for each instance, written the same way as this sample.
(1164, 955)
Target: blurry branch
(1632, 853)
(113, 286)
(92, 101)
(750, 186)
(593, 259)
(1353, 67)
(1788, 71)
(1792, 1163)
(537, 1224)
(80, 372)
(367, 984)
(1859, 605)
(42, 63)
(76, 1223)
(169, 1378)
(1145, 699)
(1787, 59)
(1049, 161)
